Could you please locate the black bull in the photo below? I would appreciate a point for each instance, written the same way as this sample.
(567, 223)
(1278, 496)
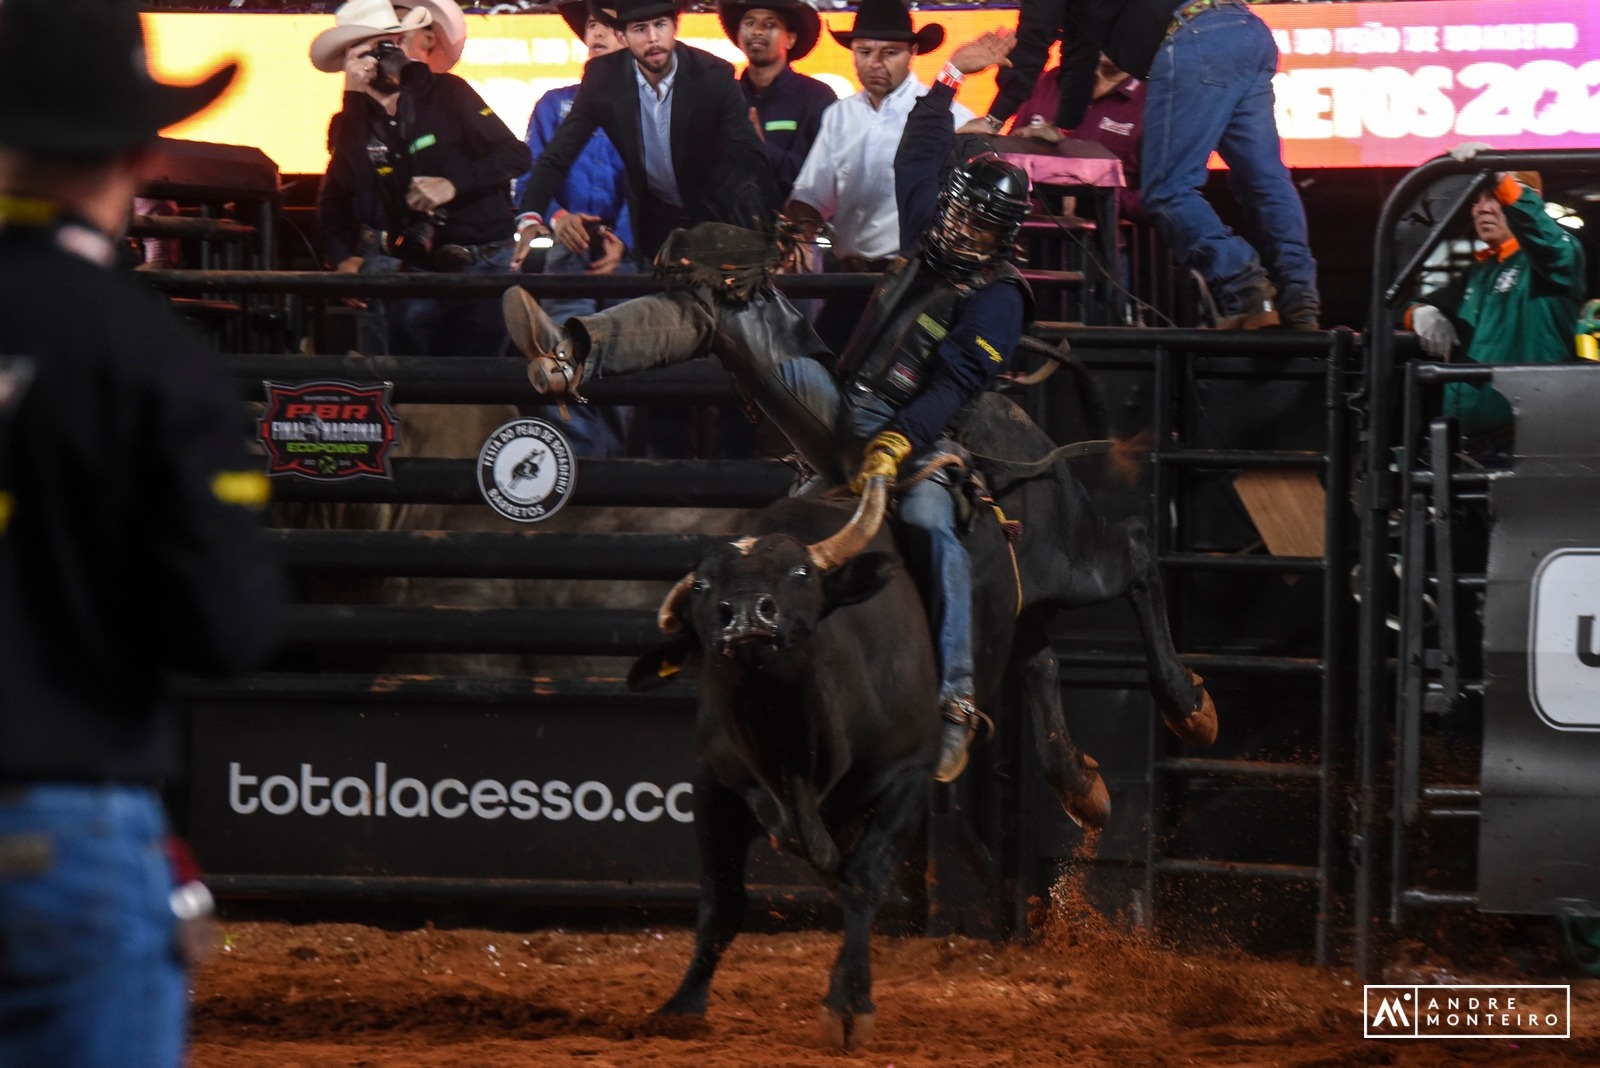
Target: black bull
(817, 721)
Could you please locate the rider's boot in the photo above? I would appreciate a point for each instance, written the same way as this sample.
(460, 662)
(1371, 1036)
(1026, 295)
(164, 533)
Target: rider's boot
(961, 721)
(554, 367)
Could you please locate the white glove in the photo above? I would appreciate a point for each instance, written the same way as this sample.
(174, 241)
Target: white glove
(1465, 151)
(1437, 333)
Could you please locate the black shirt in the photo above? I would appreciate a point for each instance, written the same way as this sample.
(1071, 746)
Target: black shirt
(1129, 31)
(441, 127)
(133, 542)
(791, 114)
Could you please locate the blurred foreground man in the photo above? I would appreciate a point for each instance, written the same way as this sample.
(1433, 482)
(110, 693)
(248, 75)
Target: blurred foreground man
(129, 545)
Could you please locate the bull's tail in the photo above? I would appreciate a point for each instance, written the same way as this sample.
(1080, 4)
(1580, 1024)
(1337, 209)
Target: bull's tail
(804, 814)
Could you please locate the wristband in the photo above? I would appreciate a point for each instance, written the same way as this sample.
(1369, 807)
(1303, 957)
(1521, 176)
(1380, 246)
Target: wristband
(993, 123)
(951, 76)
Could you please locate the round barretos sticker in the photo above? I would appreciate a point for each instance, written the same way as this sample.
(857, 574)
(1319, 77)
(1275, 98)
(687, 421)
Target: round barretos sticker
(526, 470)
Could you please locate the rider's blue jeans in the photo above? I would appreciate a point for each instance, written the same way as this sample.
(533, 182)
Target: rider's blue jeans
(1210, 88)
(927, 515)
(89, 976)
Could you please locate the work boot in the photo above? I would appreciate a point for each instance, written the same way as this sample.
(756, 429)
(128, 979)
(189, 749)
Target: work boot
(1300, 315)
(961, 721)
(552, 367)
(1251, 308)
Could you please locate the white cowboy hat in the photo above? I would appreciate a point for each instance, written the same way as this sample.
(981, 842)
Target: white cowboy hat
(357, 21)
(451, 26)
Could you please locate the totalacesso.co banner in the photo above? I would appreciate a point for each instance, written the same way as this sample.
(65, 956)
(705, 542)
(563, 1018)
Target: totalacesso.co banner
(1359, 84)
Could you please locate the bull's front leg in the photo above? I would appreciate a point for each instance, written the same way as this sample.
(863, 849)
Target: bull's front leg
(1071, 774)
(724, 827)
(848, 1013)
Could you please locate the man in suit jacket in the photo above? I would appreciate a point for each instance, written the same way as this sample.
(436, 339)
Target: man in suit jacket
(678, 119)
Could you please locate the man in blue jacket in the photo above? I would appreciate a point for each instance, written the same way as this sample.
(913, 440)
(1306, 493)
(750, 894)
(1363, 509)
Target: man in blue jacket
(594, 196)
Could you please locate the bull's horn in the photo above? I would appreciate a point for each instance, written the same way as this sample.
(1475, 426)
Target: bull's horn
(851, 538)
(667, 615)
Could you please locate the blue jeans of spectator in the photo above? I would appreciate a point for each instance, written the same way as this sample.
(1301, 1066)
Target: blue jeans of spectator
(373, 333)
(454, 326)
(1210, 88)
(596, 431)
(89, 973)
(927, 516)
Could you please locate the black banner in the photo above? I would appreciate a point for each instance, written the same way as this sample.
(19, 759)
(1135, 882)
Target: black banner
(378, 788)
(1540, 838)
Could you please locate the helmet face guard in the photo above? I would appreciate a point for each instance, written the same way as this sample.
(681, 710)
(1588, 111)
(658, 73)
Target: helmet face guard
(981, 208)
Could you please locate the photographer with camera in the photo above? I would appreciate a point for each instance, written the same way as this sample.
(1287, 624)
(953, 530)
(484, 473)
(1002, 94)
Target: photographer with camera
(419, 179)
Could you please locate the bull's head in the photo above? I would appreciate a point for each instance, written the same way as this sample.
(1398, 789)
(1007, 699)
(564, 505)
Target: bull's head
(756, 601)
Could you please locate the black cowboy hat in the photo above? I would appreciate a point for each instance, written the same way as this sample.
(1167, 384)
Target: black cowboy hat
(621, 12)
(888, 20)
(74, 80)
(577, 14)
(801, 18)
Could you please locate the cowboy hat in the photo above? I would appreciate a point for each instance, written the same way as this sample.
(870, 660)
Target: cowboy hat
(888, 20)
(800, 17)
(74, 79)
(357, 21)
(451, 27)
(621, 12)
(577, 14)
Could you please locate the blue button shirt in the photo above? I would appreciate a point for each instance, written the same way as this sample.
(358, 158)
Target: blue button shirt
(655, 121)
(597, 184)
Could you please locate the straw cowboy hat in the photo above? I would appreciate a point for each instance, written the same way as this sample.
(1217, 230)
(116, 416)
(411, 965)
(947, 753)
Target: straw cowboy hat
(888, 20)
(358, 21)
(74, 79)
(801, 18)
(451, 26)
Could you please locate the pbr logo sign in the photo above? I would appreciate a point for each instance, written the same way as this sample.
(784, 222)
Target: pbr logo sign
(526, 470)
(329, 430)
(1563, 641)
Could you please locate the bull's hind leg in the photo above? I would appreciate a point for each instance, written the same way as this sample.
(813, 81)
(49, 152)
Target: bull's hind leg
(848, 1013)
(1179, 693)
(1071, 774)
(724, 827)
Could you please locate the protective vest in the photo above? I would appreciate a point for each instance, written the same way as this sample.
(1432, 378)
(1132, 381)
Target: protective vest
(893, 346)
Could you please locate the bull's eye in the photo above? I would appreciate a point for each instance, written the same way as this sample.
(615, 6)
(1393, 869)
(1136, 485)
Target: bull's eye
(800, 571)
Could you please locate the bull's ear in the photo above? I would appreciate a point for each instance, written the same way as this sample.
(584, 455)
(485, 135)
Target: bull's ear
(857, 579)
(664, 663)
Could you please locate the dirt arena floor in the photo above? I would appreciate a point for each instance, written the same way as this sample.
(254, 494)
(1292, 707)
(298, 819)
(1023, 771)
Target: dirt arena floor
(1083, 994)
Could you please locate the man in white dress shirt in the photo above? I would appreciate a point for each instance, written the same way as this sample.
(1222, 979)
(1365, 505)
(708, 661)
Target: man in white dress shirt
(848, 177)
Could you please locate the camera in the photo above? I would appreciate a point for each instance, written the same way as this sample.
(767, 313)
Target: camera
(413, 245)
(390, 58)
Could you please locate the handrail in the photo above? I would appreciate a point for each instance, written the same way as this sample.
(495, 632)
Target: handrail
(484, 284)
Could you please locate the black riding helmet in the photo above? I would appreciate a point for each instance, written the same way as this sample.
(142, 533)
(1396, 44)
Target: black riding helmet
(981, 206)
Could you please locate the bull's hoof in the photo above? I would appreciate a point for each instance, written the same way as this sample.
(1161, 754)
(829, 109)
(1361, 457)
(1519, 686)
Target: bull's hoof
(846, 1031)
(1199, 727)
(1089, 806)
(680, 1007)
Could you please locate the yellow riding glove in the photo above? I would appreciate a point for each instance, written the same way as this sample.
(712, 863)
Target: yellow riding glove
(883, 456)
